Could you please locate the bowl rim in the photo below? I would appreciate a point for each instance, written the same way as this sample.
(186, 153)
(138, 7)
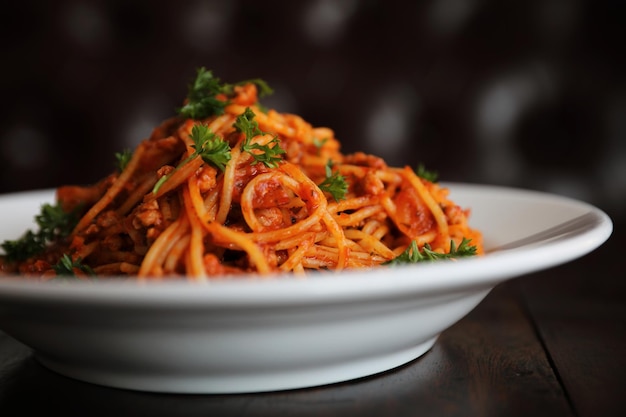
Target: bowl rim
(348, 285)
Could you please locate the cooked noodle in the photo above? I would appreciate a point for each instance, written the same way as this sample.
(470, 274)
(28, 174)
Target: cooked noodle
(252, 218)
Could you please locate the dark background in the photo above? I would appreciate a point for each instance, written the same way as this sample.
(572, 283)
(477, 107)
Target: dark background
(522, 93)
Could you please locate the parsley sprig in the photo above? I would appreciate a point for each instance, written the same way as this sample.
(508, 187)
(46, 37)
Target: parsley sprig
(202, 100)
(211, 147)
(335, 184)
(263, 87)
(412, 254)
(426, 174)
(123, 158)
(319, 144)
(68, 267)
(203, 95)
(268, 154)
(208, 145)
(54, 223)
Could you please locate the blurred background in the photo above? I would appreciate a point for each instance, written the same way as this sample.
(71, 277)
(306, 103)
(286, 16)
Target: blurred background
(522, 93)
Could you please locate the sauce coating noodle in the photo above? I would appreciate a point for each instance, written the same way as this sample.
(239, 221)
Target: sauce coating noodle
(250, 218)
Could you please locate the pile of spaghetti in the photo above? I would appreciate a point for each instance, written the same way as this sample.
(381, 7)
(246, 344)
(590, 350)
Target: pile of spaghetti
(229, 187)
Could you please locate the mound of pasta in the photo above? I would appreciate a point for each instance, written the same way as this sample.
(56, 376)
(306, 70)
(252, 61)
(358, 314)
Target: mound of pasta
(227, 187)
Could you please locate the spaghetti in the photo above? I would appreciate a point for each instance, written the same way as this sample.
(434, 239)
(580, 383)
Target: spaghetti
(171, 213)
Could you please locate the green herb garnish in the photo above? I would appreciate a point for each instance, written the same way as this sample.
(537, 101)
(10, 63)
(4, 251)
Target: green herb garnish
(211, 147)
(208, 145)
(319, 143)
(422, 172)
(412, 254)
(263, 87)
(202, 95)
(53, 222)
(123, 158)
(335, 184)
(29, 245)
(246, 124)
(67, 267)
(270, 153)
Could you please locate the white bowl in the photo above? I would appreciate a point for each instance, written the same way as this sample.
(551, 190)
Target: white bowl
(252, 335)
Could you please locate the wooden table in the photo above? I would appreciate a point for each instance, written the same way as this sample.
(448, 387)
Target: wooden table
(548, 344)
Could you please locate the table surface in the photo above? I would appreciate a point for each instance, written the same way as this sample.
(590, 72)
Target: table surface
(547, 344)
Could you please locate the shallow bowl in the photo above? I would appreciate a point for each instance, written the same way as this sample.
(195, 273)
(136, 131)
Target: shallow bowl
(263, 334)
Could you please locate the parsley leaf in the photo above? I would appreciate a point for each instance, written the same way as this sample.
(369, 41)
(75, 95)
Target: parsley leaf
(29, 245)
(263, 87)
(53, 222)
(211, 147)
(123, 158)
(246, 124)
(319, 143)
(202, 100)
(412, 254)
(334, 184)
(269, 154)
(422, 172)
(202, 95)
(208, 145)
(67, 267)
